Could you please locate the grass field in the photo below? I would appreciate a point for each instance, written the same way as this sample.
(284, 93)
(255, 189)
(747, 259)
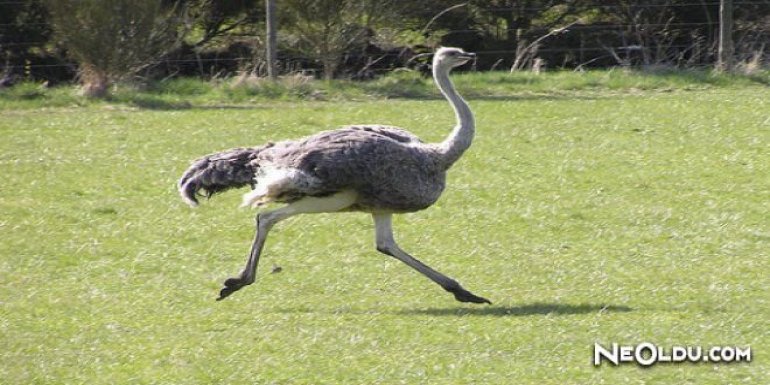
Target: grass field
(586, 211)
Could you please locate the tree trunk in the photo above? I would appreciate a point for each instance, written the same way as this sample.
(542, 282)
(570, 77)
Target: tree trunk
(329, 67)
(96, 83)
(272, 72)
(726, 49)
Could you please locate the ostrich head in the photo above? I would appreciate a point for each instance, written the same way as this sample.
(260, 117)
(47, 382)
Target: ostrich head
(447, 57)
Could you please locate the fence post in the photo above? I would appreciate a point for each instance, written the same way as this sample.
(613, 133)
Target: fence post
(726, 49)
(271, 39)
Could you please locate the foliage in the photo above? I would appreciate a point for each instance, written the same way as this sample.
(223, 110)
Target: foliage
(327, 29)
(248, 85)
(113, 39)
(216, 19)
(24, 30)
(360, 39)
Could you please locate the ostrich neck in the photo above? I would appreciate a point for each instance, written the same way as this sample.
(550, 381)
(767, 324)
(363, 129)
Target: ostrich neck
(453, 147)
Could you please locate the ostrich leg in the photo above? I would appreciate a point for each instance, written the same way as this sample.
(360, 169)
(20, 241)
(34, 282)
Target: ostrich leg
(387, 245)
(266, 220)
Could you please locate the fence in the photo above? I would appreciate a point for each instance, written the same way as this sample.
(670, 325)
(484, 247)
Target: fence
(651, 37)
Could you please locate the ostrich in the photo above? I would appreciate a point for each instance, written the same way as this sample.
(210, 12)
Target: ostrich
(381, 170)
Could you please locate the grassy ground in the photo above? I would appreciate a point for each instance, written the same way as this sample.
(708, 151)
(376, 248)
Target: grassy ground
(586, 213)
(177, 94)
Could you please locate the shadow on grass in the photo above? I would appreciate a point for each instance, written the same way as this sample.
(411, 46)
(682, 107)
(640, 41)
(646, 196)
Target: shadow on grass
(522, 310)
(537, 97)
(481, 310)
(229, 107)
(700, 76)
(149, 102)
(146, 102)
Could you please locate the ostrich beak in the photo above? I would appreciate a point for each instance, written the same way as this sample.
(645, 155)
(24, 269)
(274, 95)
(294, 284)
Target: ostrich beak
(468, 55)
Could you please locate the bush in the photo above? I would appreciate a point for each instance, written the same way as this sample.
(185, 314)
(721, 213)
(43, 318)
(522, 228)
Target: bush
(113, 39)
(249, 84)
(402, 84)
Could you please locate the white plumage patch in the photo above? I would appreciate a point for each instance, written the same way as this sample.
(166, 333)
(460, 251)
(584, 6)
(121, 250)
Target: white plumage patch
(272, 182)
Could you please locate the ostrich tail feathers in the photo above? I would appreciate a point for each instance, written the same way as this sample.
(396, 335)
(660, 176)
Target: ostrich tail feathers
(219, 172)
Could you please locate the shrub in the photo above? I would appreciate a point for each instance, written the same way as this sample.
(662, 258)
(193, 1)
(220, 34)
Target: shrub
(113, 39)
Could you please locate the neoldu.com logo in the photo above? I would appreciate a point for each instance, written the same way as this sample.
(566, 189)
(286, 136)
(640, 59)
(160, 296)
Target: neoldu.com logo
(646, 354)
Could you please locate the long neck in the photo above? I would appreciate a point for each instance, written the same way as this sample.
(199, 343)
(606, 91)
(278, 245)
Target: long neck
(453, 147)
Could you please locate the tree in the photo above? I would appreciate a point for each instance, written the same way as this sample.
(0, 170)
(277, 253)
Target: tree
(24, 30)
(327, 29)
(113, 39)
(215, 19)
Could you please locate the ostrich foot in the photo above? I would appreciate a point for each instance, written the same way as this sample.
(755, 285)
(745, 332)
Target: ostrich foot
(231, 286)
(463, 295)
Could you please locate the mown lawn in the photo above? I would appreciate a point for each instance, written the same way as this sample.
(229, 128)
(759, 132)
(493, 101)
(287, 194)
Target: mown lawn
(603, 215)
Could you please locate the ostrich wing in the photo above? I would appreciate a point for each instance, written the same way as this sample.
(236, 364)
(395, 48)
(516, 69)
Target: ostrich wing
(388, 167)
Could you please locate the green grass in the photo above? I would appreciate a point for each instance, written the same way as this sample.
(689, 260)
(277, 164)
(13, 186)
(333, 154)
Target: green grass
(185, 93)
(586, 212)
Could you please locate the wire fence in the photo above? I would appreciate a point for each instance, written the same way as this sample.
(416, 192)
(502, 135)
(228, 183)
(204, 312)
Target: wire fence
(626, 41)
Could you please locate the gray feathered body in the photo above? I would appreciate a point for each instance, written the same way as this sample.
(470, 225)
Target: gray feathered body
(389, 169)
(385, 168)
